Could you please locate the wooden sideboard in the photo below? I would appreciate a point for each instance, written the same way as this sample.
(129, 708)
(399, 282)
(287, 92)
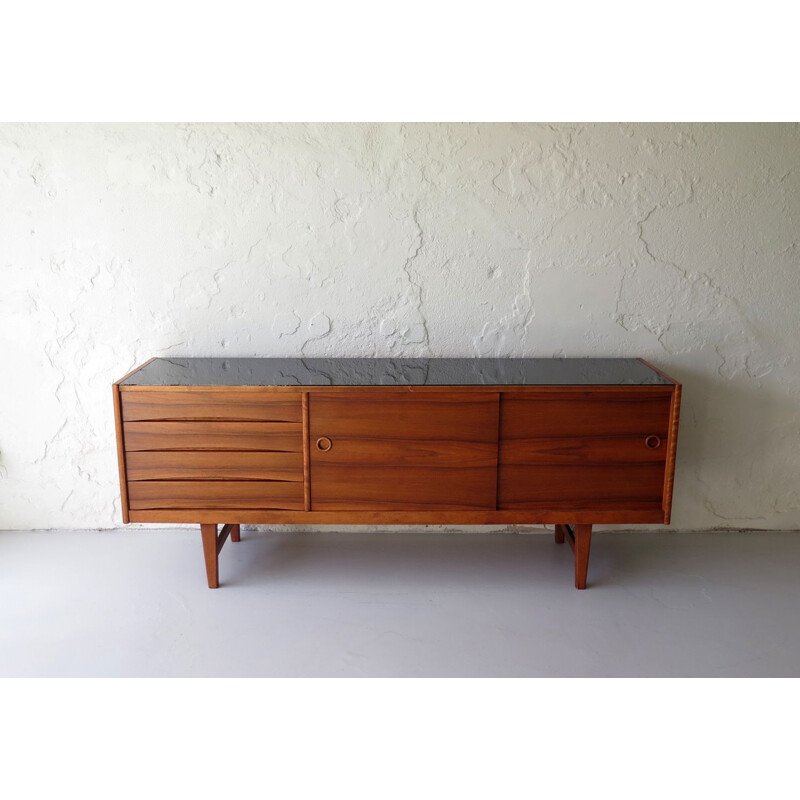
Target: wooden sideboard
(569, 442)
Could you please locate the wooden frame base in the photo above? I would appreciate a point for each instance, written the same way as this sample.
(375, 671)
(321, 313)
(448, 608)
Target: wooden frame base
(578, 536)
(580, 540)
(641, 515)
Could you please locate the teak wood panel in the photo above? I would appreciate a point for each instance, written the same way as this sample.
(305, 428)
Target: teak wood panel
(227, 494)
(582, 449)
(397, 415)
(408, 453)
(399, 452)
(584, 486)
(526, 516)
(214, 435)
(631, 411)
(214, 464)
(672, 447)
(198, 403)
(359, 488)
(123, 475)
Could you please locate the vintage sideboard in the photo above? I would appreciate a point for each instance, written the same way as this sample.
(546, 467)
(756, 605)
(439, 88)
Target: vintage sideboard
(570, 442)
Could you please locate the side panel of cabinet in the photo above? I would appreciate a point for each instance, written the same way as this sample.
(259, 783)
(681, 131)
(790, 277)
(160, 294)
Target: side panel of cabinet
(402, 451)
(582, 449)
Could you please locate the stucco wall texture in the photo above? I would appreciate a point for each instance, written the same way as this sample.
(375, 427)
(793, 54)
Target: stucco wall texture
(674, 242)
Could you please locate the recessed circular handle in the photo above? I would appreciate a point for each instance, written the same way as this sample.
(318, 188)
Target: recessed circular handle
(324, 444)
(652, 442)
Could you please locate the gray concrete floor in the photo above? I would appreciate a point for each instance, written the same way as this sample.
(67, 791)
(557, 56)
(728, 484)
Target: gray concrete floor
(134, 603)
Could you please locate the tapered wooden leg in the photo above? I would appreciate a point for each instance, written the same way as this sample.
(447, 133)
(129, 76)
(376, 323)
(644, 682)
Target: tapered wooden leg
(209, 534)
(235, 533)
(583, 540)
(559, 534)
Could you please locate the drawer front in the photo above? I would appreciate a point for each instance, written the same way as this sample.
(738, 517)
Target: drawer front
(403, 451)
(213, 449)
(209, 464)
(282, 495)
(583, 449)
(213, 435)
(227, 404)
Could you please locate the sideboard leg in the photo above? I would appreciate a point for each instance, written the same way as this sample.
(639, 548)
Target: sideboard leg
(583, 541)
(209, 534)
(559, 534)
(235, 535)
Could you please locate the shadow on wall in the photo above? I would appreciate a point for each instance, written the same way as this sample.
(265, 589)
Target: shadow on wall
(729, 430)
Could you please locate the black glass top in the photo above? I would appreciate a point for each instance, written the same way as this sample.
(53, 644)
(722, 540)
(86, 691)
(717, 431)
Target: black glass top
(394, 372)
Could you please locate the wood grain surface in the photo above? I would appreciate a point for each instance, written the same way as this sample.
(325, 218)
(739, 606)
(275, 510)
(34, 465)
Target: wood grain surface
(580, 487)
(286, 495)
(583, 450)
(393, 451)
(121, 465)
(359, 488)
(210, 464)
(200, 403)
(629, 411)
(672, 445)
(643, 513)
(214, 435)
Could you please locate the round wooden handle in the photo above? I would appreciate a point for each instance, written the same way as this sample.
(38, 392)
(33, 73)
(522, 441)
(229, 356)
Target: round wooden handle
(324, 444)
(652, 442)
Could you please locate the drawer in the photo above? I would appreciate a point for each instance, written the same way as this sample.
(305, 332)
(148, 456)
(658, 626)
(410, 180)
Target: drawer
(228, 404)
(208, 464)
(213, 435)
(283, 495)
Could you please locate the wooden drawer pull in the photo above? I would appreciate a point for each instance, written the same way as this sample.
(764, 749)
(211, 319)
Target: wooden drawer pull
(652, 442)
(324, 444)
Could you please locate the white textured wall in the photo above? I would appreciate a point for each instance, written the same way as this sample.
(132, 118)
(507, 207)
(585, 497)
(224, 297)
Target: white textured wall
(674, 242)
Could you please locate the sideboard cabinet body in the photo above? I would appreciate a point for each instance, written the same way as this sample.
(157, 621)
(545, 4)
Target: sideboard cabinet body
(418, 451)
